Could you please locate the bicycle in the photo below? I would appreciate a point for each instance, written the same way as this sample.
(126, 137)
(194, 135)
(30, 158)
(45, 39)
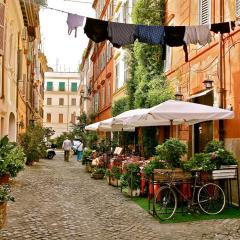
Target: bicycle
(210, 198)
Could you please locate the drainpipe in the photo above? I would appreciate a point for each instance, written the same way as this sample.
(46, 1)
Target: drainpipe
(221, 75)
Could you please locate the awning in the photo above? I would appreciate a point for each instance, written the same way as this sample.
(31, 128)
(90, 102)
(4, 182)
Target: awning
(200, 94)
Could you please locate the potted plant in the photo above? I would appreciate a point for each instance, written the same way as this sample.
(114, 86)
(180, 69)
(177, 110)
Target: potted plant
(171, 152)
(108, 175)
(98, 173)
(33, 143)
(216, 162)
(131, 179)
(86, 154)
(115, 176)
(5, 196)
(11, 159)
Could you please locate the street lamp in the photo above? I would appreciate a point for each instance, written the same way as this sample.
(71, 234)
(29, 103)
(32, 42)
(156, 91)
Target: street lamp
(178, 96)
(208, 83)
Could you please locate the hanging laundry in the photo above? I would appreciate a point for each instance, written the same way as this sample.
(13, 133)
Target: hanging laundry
(150, 34)
(225, 27)
(174, 38)
(96, 30)
(197, 34)
(120, 34)
(74, 21)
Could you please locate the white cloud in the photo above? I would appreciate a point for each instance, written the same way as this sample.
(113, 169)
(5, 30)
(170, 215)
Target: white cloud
(57, 44)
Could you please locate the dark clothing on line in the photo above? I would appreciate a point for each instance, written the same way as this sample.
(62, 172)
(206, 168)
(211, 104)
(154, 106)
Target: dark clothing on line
(174, 38)
(96, 30)
(150, 34)
(120, 34)
(222, 27)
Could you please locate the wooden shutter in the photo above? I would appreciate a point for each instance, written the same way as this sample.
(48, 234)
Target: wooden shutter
(2, 18)
(204, 12)
(238, 8)
(60, 118)
(74, 87)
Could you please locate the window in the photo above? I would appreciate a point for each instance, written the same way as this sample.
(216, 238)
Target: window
(60, 118)
(61, 101)
(168, 61)
(74, 101)
(126, 14)
(49, 117)
(125, 69)
(49, 101)
(109, 92)
(73, 118)
(61, 86)
(103, 95)
(117, 72)
(205, 11)
(109, 51)
(74, 87)
(238, 8)
(49, 86)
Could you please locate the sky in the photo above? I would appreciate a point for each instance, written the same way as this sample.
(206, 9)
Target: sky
(63, 51)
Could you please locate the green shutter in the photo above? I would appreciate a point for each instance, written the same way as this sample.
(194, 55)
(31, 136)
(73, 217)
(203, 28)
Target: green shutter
(74, 87)
(62, 86)
(49, 86)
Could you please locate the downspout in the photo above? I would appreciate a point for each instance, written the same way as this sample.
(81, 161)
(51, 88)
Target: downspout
(221, 75)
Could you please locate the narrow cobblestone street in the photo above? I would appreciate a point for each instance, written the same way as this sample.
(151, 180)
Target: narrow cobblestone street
(58, 200)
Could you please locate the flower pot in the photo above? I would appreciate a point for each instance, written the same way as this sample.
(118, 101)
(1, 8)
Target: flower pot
(4, 179)
(133, 192)
(115, 182)
(3, 214)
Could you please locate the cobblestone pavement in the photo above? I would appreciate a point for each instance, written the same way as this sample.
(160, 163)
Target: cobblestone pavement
(58, 200)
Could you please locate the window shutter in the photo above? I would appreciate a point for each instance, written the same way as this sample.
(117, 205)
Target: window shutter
(49, 86)
(2, 22)
(238, 8)
(74, 87)
(204, 12)
(62, 86)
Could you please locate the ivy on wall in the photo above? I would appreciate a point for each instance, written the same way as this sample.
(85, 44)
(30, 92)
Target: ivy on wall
(120, 106)
(147, 85)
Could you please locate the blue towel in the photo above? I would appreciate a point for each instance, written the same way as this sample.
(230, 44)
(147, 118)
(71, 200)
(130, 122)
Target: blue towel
(150, 34)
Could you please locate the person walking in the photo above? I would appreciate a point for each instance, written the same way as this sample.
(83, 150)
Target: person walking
(79, 150)
(67, 146)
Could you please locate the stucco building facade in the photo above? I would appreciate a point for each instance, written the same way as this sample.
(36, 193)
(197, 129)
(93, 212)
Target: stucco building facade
(61, 101)
(19, 82)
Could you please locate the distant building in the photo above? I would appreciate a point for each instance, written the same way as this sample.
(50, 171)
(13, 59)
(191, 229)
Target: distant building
(61, 101)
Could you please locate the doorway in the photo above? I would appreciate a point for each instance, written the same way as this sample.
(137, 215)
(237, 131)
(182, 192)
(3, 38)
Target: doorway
(203, 132)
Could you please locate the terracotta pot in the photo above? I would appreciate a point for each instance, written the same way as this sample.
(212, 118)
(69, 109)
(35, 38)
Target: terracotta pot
(3, 214)
(4, 179)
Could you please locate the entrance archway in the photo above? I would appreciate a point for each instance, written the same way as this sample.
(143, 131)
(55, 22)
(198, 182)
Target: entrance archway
(12, 127)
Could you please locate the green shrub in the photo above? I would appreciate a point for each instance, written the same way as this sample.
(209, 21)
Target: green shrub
(171, 152)
(5, 194)
(116, 172)
(132, 176)
(11, 158)
(154, 164)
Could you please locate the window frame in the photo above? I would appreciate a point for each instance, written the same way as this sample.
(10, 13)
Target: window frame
(49, 119)
(201, 20)
(73, 89)
(59, 87)
(49, 84)
(59, 101)
(60, 118)
(49, 101)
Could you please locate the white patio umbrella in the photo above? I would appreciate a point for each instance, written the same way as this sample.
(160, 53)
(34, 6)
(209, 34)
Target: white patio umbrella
(106, 126)
(171, 113)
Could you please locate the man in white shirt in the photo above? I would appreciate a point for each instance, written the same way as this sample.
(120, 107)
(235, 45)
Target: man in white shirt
(67, 146)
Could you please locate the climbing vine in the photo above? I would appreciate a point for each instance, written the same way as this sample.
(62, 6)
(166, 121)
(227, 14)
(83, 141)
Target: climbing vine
(147, 85)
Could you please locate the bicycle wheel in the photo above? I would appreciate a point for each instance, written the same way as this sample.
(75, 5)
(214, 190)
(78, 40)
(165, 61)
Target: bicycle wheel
(165, 203)
(211, 198)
